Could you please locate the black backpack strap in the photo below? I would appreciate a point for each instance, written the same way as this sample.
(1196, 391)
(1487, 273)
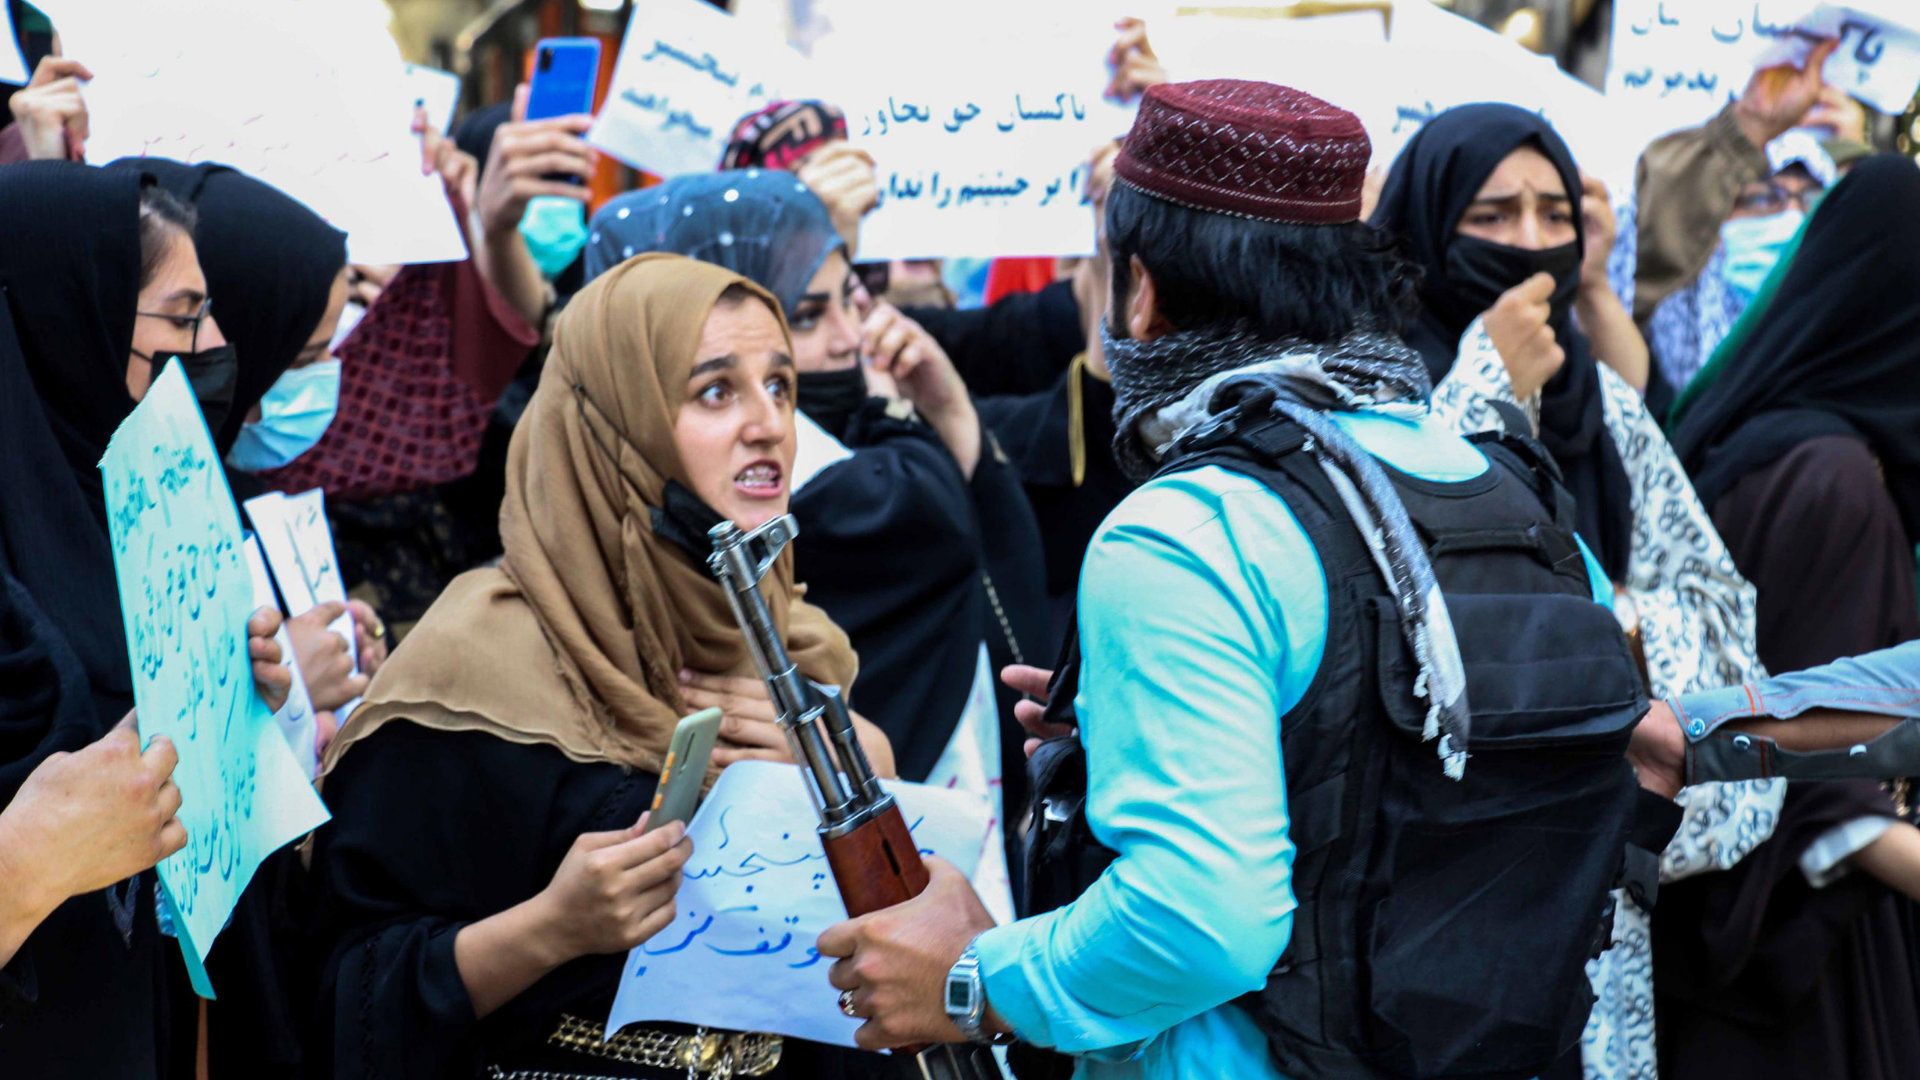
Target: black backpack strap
(1513, 418)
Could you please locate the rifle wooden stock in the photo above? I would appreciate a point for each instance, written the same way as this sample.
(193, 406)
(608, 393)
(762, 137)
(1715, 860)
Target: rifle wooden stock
(876, 865)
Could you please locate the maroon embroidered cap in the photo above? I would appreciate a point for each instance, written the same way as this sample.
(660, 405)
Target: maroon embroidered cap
(1250, 149)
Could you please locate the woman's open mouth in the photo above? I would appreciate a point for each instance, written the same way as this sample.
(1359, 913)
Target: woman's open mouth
(760, 480)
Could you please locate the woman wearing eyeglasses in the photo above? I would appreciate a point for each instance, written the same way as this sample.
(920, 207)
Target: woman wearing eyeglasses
(1689, 324)
(100, 287)
(1714, 206)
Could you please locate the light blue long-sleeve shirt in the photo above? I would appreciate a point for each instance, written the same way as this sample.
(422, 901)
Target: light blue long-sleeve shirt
(1203, 617)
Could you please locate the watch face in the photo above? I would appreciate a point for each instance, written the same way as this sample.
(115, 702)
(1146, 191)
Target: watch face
(959, 996)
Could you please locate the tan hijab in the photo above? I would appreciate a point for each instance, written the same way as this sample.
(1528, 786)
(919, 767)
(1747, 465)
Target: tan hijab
(577, 639)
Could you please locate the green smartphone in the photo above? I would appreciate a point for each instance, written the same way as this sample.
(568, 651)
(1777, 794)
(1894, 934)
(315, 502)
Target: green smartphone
(685, 768)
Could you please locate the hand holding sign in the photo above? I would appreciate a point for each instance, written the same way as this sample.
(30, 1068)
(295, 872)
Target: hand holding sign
(1777, 98)
(755, 893)
(95, 817)
(50, 111)
(842, 176)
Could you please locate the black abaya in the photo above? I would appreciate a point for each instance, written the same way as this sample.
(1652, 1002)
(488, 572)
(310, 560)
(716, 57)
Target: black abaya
(1831, 348)
(70, 275)
(897, 546)
(1035, 430)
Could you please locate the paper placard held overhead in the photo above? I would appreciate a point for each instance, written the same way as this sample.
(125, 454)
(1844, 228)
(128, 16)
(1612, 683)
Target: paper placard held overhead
(1675, 64)
(186, 595)
(292, 93)
(982, 162)
(686, 73)
(755, 896)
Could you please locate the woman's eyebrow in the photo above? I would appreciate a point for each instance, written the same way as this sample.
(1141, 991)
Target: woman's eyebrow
(718, 363)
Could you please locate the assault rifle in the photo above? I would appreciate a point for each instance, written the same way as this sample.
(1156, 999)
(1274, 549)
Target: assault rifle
(869, 850)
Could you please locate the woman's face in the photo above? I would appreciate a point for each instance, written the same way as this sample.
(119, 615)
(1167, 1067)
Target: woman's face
(167, 311)
(1523, 204)
(824, 324)
(1792, 188)
(735, 430)
(319, 344)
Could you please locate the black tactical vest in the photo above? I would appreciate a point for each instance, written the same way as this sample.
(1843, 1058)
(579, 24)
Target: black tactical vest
(1443, 926)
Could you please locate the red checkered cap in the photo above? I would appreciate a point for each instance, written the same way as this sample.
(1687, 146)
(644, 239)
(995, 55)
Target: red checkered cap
(1250, 149)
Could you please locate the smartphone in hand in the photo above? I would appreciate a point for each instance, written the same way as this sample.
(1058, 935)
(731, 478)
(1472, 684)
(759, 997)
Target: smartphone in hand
(685, 768)
(565, 71)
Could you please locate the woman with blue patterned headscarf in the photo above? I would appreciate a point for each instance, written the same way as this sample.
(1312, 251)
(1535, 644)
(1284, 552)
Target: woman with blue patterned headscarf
(915, 533)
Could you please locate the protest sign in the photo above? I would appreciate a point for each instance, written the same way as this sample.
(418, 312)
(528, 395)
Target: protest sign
(298, 543)
(982, 162)
(282, 90)
(296, 719)
(1675, 64)
(436, 91)
(186, 595)
(1397, 86)
(685, 74)
(13, 65)
(754, 897)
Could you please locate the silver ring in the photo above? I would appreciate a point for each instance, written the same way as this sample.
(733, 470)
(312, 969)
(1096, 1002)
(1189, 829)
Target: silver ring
(846, 1004)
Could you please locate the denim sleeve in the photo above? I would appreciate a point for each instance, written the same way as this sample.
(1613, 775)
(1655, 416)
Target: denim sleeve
(1886, 683)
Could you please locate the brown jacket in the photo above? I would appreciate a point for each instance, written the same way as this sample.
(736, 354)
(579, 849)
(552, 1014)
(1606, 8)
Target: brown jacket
(1686, 186)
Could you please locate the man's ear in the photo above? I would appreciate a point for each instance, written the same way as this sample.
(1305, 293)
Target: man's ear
(1144, 320)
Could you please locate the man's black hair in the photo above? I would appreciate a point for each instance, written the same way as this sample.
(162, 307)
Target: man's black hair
(1317, 283)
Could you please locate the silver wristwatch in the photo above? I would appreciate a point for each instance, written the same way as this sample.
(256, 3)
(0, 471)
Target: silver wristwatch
(966, 996)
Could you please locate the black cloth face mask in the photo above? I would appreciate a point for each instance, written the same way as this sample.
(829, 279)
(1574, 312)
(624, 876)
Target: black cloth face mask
(213, 374)
(1479, 271)
(830, 398)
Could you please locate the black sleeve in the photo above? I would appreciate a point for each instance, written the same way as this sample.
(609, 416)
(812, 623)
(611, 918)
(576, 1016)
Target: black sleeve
(17, 989)
(431, 831)
(1018, 345)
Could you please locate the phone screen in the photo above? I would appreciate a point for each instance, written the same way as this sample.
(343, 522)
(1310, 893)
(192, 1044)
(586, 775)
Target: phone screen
(565, 71)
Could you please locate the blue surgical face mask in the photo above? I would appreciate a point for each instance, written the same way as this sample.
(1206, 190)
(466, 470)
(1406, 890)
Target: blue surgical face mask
(1754, 245)
(555, 229)
(293, 415)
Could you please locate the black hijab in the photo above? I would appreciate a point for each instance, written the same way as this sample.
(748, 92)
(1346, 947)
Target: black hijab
(1433, 181)
(70, 273)
(270, 263)
(45, 531)
(1835, 351)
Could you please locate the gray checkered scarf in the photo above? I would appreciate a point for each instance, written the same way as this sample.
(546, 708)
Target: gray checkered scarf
(1190, 380)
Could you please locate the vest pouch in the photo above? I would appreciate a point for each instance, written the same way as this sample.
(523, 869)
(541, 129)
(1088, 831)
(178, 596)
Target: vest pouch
(1542, 670)
(1481, 896)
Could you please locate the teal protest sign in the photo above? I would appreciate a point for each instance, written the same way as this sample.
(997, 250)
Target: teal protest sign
(186, 595)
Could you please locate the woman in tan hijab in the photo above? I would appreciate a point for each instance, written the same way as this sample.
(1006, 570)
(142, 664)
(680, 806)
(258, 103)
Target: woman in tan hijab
(484, 874)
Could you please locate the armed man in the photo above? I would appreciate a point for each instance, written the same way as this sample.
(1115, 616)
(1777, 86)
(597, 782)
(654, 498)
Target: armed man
(1349, 789)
